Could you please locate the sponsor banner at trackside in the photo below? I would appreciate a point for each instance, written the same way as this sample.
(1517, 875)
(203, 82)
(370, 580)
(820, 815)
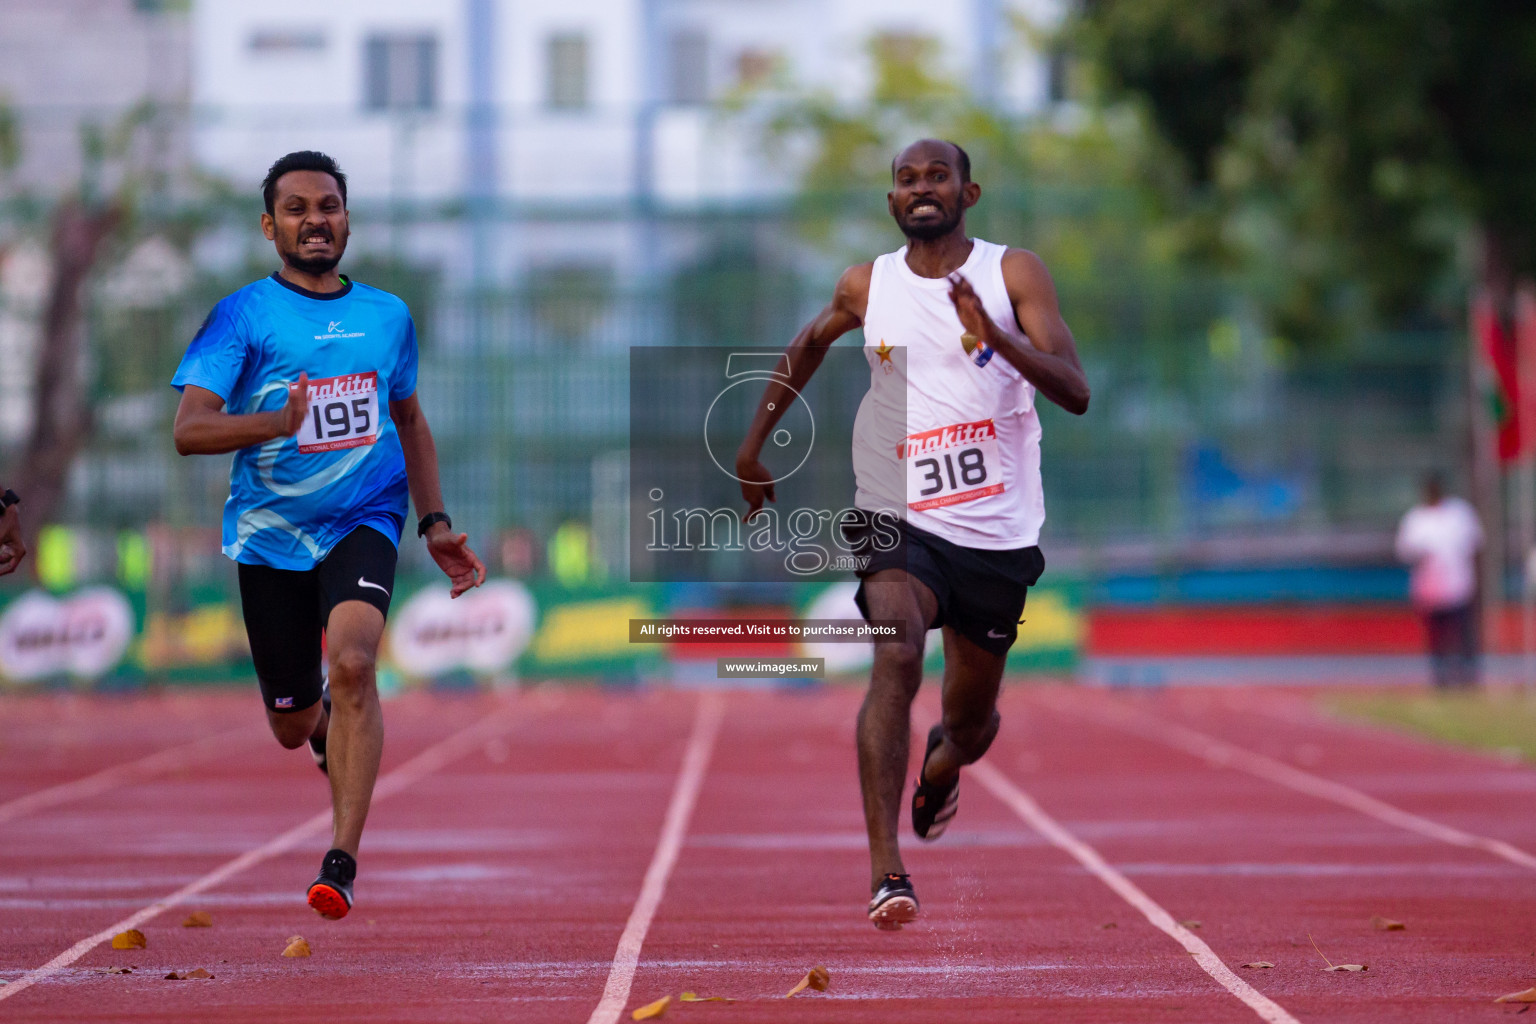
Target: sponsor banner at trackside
(502, 630)
(482, 631)
(85, 634)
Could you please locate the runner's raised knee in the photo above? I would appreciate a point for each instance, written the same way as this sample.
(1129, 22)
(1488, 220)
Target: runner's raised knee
(901, 656)
(292, 730)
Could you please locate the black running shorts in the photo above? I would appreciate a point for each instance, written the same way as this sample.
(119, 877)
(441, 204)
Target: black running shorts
(980, 593)
(286, 611)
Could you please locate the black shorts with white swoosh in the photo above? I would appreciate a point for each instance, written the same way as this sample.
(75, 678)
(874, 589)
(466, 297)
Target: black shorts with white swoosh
(980, 593)
(286, 612)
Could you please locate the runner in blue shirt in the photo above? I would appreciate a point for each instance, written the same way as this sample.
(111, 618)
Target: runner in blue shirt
(310, 379)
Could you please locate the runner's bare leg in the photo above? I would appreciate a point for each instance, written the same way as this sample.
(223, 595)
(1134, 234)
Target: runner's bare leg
(355, 740)
(885, 719)
(972, 678)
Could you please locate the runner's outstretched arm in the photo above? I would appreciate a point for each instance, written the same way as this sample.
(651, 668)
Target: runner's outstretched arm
(204, 428)
(805, 353)
(449, 550)
(1049, 361)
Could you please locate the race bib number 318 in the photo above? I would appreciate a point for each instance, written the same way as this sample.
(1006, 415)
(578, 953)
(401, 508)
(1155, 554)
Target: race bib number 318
(951, 465)
(343, 413)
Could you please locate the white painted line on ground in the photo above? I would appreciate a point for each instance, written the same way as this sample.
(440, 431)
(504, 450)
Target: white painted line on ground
(1025, 807)
(417, 768)
(108, 779)
(1229, 755)
(706, 726)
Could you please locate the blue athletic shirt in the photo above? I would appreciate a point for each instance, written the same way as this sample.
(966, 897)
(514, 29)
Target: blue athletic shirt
(293, 498)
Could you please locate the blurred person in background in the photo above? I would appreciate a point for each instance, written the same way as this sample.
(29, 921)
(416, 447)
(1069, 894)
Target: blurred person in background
(12, 550)
(1439, 539)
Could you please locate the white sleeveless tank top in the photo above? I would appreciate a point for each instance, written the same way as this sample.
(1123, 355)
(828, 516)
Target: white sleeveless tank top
(949, 440)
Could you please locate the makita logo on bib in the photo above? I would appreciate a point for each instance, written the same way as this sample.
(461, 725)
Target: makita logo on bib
(946, 437)
(334, 329)
(352, 385)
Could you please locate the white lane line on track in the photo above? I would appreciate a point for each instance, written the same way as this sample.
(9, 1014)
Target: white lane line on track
(417, 768)
(701, 743)
(1229, 755)
(147, 767)
(1021, 804)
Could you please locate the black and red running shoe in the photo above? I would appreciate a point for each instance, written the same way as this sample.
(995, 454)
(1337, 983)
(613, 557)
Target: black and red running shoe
(933, 806)
(330, 894)
(894, 903)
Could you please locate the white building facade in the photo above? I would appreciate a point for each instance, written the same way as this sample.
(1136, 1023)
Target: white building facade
(539, 103)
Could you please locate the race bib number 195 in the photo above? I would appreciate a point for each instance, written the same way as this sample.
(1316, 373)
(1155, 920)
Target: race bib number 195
(343, 413)
(952, 464)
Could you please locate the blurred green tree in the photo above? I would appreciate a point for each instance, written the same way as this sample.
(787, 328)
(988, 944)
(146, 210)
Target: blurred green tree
(1083, 190)
(1369, 157)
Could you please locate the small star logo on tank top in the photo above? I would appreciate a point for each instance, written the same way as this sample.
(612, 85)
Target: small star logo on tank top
(884, 352)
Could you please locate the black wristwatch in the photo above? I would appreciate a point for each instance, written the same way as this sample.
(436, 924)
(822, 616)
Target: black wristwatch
(430, 520)
(8, 499)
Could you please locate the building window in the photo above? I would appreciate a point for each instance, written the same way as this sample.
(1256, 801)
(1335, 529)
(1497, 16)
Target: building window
(400, 72)
(1056, 76)
(688, 67)
(566, 87)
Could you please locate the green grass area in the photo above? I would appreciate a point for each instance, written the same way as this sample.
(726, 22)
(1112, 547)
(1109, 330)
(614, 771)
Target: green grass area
(1502, 722)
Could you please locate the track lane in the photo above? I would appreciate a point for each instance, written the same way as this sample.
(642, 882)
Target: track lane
(389, 783)
(501, 881)
(1263, 866)
(773, 881)
(162, 762)
(701, 745)
(1229, 755)
(57, 747)
(498, 888)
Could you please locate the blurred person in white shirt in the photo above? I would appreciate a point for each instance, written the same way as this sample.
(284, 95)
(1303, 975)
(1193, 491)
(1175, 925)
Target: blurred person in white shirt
(1439, 539)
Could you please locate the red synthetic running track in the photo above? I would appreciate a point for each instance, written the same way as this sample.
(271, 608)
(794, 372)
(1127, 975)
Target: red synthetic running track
(532, 852)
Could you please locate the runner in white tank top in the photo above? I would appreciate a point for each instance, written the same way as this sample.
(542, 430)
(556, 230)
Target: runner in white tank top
(970, 468)
(960, 335)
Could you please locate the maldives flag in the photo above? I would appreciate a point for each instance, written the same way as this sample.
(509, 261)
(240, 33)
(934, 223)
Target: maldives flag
(1496, 343)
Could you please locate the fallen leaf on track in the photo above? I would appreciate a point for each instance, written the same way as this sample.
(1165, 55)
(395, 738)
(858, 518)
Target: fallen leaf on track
(1259, 964)
(694, 997)
(650, 1011)
(113, 970)
(1110, 925)
(1386, 924)
(296, 946)
(1528, 996)
(130, 939)
(197, 974)
(817, 978)
(1190, 924)
(1331, 965)
(198, 919)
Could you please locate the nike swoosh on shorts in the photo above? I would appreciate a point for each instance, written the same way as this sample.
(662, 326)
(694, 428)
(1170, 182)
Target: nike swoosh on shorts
(994, 634)
(364, 583)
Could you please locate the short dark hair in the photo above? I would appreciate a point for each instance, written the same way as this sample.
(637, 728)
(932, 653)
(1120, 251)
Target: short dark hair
(303, 160)
(965, 161)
